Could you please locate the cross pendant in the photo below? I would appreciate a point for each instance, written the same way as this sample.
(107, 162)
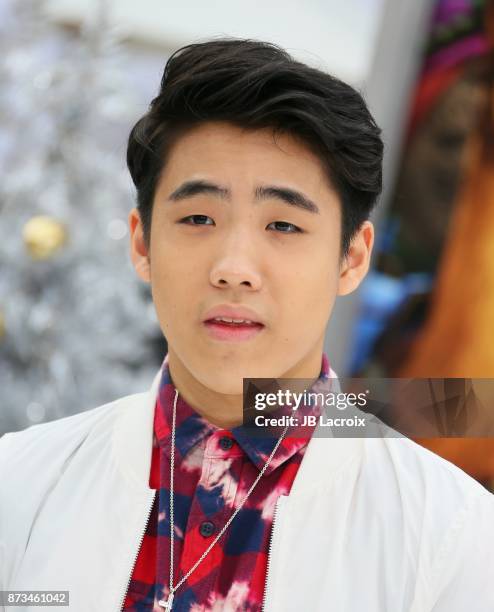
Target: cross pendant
(168, 603)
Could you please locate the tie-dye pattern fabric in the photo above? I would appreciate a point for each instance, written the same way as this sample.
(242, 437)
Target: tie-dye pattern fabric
(214, 469)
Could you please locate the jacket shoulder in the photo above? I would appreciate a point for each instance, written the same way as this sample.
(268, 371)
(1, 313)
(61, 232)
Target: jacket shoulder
(52, 444)
(41, 462)
(65, 426)
(419, 483)
(428, 472)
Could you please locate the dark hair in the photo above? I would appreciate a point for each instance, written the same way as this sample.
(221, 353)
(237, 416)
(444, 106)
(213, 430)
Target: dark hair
(254, 85)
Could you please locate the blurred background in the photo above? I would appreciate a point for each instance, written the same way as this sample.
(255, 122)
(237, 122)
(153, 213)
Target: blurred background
(77, 328)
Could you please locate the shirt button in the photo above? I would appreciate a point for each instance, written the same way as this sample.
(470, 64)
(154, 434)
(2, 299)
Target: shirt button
(226, 443)
(206, 528)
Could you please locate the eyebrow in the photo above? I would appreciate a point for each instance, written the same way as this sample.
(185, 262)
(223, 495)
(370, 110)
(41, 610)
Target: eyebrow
(192, 188)
(289, 196)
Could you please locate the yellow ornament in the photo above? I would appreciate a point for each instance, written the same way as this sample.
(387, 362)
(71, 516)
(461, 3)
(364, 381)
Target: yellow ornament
(43, 236)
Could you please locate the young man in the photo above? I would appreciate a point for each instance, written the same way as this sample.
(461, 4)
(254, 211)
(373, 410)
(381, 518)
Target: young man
(255, 177)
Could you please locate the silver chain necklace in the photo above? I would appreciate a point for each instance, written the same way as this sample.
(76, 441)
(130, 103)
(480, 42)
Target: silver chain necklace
(169, 602)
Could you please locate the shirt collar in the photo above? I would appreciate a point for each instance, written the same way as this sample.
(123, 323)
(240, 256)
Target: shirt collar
(191, 428)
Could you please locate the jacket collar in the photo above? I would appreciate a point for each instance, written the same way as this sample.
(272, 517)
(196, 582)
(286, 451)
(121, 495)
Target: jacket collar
(132, 440)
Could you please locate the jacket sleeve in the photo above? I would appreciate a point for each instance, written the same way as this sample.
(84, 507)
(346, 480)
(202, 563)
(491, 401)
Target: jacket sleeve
(462, 577)
(4, 445)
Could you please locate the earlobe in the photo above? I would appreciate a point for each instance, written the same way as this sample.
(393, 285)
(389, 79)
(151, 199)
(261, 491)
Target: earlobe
(143, 269)
(138, 250)
(348, 281)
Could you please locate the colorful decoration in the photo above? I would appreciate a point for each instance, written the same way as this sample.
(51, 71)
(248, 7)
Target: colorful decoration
(43, 236)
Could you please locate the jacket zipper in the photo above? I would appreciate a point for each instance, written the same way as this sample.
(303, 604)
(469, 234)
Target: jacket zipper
(270, 548)
(122, 601)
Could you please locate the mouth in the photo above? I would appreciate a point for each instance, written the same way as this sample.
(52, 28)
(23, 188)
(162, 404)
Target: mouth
(232, 330)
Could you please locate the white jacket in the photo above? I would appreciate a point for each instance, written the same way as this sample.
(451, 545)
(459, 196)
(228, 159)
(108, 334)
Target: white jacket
(370, 525)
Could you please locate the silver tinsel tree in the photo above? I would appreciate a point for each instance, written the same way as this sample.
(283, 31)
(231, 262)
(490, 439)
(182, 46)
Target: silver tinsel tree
(75, 323)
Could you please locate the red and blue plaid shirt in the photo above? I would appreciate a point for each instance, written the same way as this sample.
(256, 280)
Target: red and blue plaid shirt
(214, 468)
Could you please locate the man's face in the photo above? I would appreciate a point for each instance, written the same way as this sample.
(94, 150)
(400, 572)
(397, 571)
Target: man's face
(232, 225)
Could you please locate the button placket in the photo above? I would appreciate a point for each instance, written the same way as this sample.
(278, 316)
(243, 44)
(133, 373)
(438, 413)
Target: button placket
(206, 525)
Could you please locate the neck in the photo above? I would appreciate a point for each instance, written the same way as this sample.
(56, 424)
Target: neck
(225, 410)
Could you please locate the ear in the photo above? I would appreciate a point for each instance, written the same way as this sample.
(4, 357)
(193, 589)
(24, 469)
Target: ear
(138, 251)
(356, 263)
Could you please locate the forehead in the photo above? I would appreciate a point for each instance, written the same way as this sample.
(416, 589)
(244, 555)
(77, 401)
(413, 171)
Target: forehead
(259, 154)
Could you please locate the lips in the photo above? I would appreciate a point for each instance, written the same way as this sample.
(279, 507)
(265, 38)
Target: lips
(233, 323)
(233, 332)
(235, 313)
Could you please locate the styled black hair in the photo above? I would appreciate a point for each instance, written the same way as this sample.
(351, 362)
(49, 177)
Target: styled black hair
(253, 85)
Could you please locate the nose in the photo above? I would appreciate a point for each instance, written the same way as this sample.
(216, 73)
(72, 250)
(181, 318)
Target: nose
(235, 265)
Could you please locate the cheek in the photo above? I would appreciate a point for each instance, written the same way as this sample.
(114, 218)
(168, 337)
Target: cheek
(309, 292)
(171, 266)
(172, 286)
(321, 291)
(310, 270)
(164, 272)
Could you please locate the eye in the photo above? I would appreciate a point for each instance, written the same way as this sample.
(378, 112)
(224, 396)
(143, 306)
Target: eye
(285, 227)
(201, 219)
